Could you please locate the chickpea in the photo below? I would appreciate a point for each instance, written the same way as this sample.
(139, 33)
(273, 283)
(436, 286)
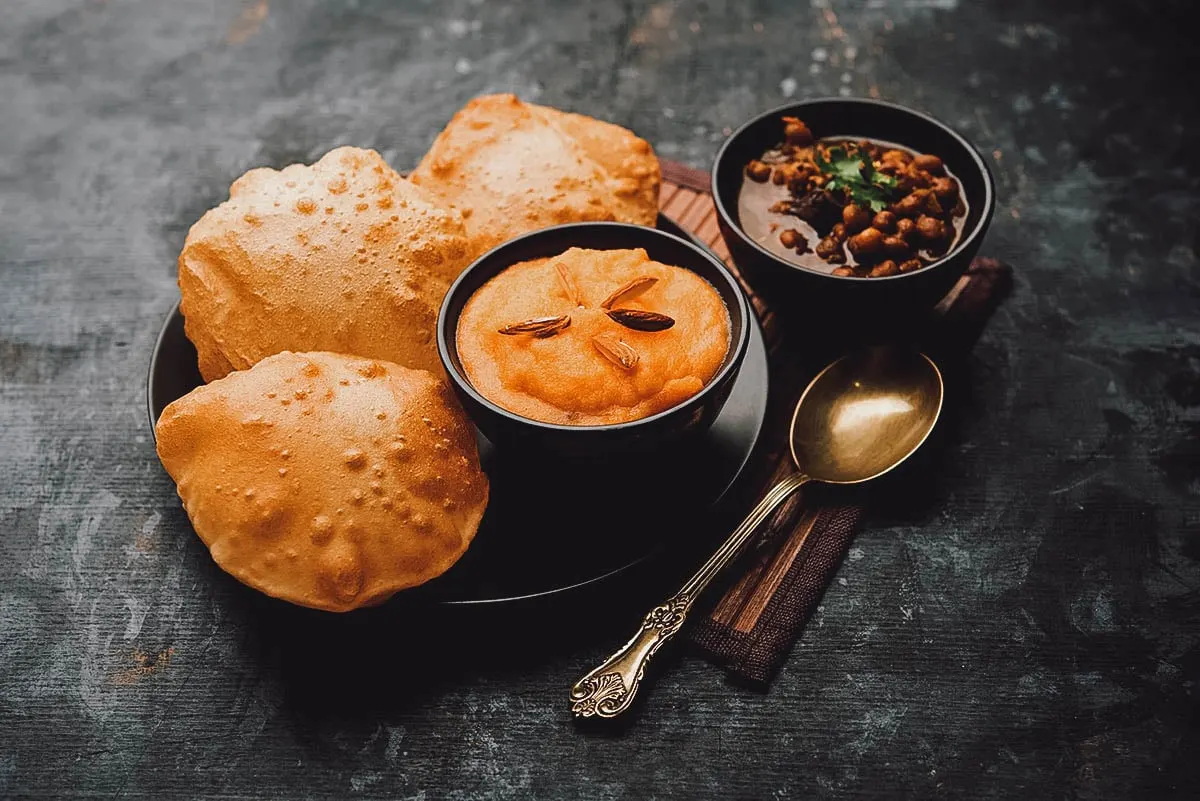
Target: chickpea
(905, 228)
(884, 269)
(855, 218)
(838, 232)
(911, 205)
(806, 169)
(901, 156)
(867, 242)
(932, 206)
(779, 177)
(931, 229)
(842, 271)
(796, 132)
(906, 183)
(909, 265)
(930, 164)
(830, 250)
(791, 238)
(885, 221)
(917, 178)
(946, 190)
(758, 170)
(895, 246)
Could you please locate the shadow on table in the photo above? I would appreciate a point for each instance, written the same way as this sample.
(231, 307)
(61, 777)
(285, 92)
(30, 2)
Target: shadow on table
(379, 662)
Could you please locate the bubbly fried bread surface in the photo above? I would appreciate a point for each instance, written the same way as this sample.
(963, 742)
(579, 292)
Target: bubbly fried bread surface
(513, 167)
(343, 255)
(325, 480)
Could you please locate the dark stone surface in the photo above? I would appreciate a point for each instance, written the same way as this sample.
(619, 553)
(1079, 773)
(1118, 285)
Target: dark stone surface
(1034, 632)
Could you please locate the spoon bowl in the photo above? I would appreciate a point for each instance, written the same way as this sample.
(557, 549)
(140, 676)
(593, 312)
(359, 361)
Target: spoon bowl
(865, 414)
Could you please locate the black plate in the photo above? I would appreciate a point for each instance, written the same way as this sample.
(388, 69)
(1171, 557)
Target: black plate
(547, 530)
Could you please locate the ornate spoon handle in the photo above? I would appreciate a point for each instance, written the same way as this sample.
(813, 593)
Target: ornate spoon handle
(608, 690)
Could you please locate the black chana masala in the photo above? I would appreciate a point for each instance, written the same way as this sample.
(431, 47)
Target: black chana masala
(850, 207)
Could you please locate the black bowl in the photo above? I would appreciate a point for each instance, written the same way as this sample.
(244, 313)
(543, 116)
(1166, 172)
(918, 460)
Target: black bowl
(507, 430)
(863, 302)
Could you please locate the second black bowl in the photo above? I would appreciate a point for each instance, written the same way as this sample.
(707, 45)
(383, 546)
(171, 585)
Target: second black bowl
(858, 302)
(507, 430)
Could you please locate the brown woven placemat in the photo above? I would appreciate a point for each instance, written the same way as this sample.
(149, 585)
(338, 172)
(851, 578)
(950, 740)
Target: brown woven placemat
(750, 629)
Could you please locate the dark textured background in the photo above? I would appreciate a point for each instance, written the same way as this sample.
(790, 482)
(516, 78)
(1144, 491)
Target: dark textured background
(1034, 633)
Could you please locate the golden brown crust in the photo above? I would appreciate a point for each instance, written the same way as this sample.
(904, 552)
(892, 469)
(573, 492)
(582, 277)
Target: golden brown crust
(343, 255)
(513, 167)
(326, 480)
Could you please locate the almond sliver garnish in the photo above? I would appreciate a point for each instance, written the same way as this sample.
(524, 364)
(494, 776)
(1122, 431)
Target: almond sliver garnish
(629, 290)
(616, 351)
(538, 326)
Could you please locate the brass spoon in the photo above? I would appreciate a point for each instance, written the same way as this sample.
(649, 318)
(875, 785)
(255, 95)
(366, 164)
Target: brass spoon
(859, 418)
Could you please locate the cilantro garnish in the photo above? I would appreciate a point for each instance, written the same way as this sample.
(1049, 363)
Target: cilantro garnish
(857, 175)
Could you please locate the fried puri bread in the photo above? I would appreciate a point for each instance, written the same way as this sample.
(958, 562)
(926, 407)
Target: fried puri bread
(513, 167)
(594, 370)
(343, 255)
(325, 480)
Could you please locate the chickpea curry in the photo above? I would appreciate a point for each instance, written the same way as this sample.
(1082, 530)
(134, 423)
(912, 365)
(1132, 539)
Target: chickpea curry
(850, 207)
